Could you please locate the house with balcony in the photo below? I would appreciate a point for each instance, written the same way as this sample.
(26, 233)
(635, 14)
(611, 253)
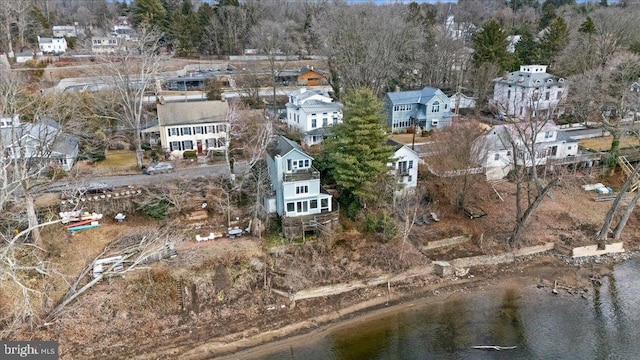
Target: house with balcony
(201, 126)
(499, 142)
(529, 93)
(294, 181)
(404, 165)
(55, 46)
(429, 109)
(312, 112)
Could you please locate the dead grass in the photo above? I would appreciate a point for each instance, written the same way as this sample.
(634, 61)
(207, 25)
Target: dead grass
(119, 158)
(604, 143)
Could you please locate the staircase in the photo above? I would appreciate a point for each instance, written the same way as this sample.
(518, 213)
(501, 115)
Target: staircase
(627, 169)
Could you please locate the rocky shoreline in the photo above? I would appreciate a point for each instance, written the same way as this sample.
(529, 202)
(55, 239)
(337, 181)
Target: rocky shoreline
(533, 270)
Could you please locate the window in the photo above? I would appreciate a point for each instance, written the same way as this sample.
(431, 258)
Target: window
(185, 131)
(324, 203)
(325, 122)
(174, 145)
(210, 129)
(313, 204)
(509, 94)
(173, 132)
(410, 164)
(547, 95)
(559, 95)
(221, 128)
(409, 178)
(313, 123)
(548, 135)
(302, 206)
(211, 143)
(569, 148)
(222, 142)
(289, 164)
(291, 207)
(435, 107)
(197, 129)
(446, 106)
(335, 120)
(403, 168)
(187, 145)
(496, 157)
(304, 189)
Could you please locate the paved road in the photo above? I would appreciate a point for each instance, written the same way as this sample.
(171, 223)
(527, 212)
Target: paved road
(142, 179)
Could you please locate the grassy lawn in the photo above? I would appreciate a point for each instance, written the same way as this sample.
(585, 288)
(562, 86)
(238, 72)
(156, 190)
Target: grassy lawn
(604, 143)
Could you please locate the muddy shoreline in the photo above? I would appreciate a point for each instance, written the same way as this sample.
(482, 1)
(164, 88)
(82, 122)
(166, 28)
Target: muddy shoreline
(537, 271)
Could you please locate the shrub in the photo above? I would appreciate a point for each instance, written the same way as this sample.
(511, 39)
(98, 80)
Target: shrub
(56, 173)
(157, 209)
(189, 154)
(381, 224)
(145, 146)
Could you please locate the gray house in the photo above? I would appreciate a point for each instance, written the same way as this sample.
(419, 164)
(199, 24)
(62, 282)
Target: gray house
(294, 181)
(428, 108)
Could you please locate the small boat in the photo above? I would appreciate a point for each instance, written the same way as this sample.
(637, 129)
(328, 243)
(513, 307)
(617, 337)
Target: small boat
(84, 227)
(78, 223)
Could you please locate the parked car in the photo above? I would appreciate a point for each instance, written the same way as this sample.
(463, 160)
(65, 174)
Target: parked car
(158, 168)
(94, 188)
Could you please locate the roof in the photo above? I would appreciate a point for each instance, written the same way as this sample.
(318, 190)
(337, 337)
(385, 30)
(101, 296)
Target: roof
(528, 79)
(196, 112)
(45, 131)
(412, 97)
(313, 105)
(45, 40)
(282, 146)
(303, 94)
(397, 146)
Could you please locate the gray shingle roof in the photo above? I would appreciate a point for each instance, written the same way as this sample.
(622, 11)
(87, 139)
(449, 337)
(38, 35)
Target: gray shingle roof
(412, 97)
(527, 79)
(196, 112)
(315, 105)
(282, 146)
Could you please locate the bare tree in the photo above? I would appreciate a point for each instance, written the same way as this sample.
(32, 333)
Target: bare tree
(132, 74)
(461, 163)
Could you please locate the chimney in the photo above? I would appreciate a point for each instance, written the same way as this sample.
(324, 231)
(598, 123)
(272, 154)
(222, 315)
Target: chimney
(397, 89)
(311, 68)
(505, 75)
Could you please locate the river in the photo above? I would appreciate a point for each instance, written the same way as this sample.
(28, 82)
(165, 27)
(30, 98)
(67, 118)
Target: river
(603, 323)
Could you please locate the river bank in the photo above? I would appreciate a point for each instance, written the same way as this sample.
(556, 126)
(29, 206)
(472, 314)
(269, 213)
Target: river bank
(540, 271)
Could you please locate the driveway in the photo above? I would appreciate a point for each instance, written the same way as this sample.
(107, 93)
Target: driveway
(142, 179)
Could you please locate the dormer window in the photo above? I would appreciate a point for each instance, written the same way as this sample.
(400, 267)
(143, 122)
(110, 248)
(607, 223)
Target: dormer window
(435, 107)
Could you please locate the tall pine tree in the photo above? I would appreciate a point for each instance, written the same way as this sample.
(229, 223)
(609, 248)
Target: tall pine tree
(490, 46)
(357, 148)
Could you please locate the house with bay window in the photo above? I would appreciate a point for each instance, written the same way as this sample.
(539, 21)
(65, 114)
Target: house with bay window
(312, 112)
(200, 126)
(429, 109)
(295, 183)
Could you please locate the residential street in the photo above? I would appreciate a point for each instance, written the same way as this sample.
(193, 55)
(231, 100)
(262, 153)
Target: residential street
(142, 179)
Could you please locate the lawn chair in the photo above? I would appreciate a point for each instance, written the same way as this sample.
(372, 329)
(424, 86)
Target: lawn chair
(425, 219)
(435, 217)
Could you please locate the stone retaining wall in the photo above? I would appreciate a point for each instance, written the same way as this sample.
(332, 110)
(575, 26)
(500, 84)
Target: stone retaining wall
(445, 242)
(592, 250)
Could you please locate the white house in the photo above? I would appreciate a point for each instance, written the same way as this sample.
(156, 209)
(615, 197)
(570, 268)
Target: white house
(500, 141)
(529, 93)
(53, 46)
(462, 101)
(106, 44)
(66, 31)
(200, 125)
(312, 112)
(43, 143)
(405, 165)
(294, 181)
(24, 56)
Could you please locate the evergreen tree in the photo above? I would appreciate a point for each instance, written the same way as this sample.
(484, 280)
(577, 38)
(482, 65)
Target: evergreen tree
(490, 46)
(527, 49)
(357, 148)
(148, 12)
(587, 27)
(548, 14)
(554, 41)
(186, 29)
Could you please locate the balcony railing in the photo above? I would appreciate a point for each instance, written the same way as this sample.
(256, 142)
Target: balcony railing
(302, 174)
